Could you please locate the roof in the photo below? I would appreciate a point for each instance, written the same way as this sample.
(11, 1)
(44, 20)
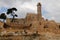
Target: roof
(39, 4)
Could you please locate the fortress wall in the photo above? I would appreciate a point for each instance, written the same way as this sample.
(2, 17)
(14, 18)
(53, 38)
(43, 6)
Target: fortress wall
(35, 21)
(18, 23)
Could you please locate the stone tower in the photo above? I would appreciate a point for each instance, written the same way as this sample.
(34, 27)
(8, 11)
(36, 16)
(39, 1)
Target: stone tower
(39, 15)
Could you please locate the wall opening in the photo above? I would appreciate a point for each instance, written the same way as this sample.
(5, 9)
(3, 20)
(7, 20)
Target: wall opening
(45, 26)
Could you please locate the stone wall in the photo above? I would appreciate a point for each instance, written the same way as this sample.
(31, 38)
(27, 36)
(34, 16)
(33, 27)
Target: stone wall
(43, 36)
(20, 37)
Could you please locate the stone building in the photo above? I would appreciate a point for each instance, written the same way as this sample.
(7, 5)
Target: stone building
(34, 22)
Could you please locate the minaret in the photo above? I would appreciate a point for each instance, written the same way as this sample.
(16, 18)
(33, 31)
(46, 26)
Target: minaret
(39, 15)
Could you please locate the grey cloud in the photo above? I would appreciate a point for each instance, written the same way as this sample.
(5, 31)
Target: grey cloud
(51, 6)
(11, 2)
(17, 4)
(22, 14)
(53, 9)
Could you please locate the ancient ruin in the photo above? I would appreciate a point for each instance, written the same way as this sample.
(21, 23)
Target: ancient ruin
(32, 23)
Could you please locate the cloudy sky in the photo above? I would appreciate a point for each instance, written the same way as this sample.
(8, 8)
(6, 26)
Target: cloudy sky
(50, 8)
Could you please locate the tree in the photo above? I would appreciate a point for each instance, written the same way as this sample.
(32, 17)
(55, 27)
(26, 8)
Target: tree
(3, 16)
(11, 11)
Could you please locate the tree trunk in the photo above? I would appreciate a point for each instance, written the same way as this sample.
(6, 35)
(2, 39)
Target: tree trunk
(13, 19)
